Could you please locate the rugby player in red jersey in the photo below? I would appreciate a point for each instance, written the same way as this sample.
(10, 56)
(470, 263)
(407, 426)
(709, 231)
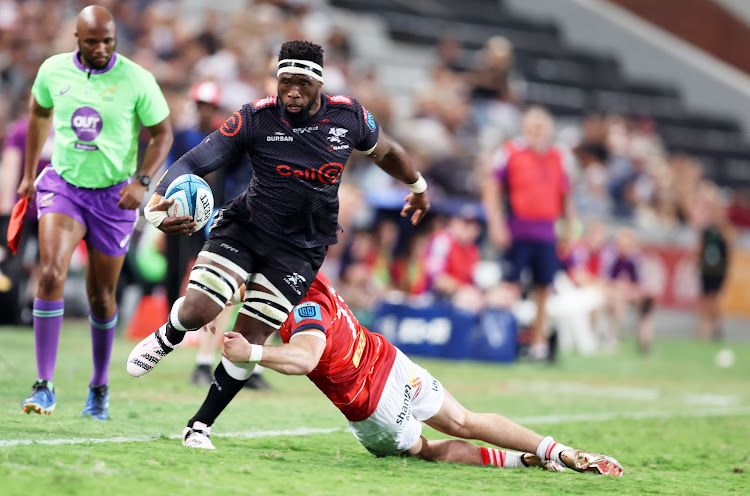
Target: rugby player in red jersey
(386, 397)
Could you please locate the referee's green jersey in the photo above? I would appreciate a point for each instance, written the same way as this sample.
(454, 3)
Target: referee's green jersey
(97, 116)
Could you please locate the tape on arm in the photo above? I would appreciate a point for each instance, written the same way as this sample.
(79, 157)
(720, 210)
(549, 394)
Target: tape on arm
(154, 217)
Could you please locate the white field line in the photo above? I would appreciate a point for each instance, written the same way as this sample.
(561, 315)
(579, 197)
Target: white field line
(301, 431)
(305, 431)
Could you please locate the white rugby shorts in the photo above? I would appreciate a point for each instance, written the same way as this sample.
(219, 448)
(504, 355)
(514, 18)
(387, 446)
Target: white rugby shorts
(411, 395)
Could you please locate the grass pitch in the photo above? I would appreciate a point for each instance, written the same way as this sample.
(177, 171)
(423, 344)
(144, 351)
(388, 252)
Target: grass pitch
(677, 422)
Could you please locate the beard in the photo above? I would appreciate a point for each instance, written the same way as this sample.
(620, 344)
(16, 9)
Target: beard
(298, 118)
(90, 62)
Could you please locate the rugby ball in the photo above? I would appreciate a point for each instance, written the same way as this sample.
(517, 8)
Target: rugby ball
(192, 196)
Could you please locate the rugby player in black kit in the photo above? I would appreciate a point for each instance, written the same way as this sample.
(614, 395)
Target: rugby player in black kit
(275, 235)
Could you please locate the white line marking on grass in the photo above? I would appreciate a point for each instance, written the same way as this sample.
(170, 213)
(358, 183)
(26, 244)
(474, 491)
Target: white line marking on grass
(301, 431)
(80, 440)
(305, 431)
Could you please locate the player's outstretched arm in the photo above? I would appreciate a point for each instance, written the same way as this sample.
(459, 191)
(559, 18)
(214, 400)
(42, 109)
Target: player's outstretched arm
(298, 357)
(156, 213)
(392, 158)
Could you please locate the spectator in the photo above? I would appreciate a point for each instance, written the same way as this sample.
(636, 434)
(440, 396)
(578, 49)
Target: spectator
(450, 258)
(492, 93)
(527, 175)
(713, 259)
(626, 289)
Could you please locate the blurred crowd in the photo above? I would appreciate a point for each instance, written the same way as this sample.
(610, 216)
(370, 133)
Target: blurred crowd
(618, 168)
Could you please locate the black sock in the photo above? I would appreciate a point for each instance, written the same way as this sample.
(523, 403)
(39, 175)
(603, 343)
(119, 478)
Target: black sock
(222, 390)
(174, 336)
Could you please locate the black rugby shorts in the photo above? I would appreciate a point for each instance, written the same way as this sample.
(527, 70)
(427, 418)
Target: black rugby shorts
(290, 268)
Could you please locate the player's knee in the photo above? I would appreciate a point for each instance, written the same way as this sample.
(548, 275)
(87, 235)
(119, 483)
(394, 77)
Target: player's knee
(214, 282)
(646, 305)
(191, 312)
(51, 277)
(255, 331)
(267, 308)
(102, 302)
(463, 423)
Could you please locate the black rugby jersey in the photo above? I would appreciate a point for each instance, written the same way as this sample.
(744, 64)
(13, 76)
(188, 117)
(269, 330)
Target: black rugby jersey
(297, 169)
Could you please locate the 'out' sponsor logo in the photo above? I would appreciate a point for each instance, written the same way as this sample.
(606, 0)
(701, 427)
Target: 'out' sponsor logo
(327, 173)
(86, 123)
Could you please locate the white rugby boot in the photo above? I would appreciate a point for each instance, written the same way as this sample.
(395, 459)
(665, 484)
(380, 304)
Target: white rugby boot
(148, 353)
(197, 436)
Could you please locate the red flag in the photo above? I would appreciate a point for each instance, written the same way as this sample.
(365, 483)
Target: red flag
(16, 223)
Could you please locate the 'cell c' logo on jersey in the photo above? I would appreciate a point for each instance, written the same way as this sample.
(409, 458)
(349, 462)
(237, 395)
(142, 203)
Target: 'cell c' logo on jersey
(328, 173)
(232, 125)
(86, 123)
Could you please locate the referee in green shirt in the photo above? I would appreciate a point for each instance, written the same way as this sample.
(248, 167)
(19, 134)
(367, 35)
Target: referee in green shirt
(96, 100)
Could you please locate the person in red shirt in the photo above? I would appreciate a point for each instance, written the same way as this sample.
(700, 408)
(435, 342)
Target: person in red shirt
(386, 397)
(526, 193)
(449, 259)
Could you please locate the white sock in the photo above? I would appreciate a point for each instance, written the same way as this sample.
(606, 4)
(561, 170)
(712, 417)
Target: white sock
(501, 458)
(163, 333)
(238, 371)
(549, 449)
(205, 359)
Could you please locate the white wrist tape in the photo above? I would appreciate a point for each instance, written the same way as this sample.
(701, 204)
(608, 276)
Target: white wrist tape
(420, 186)
(256, 353)
(154, 217)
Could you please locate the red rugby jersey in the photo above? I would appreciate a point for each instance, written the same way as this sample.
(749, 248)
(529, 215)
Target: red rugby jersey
(356, 362)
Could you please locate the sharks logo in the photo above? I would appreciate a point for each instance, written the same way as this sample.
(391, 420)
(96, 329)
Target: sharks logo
(294, 280)
(336, 133)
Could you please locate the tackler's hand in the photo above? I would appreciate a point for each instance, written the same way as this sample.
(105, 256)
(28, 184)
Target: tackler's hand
(236, 347)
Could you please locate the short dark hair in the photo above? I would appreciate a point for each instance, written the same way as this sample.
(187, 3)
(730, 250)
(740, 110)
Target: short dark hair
(302, 50)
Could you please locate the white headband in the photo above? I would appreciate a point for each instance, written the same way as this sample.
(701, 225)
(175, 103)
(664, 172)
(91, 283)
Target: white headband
(296, 66)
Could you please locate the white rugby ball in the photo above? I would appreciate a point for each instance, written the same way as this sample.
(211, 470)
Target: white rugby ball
(192, 196)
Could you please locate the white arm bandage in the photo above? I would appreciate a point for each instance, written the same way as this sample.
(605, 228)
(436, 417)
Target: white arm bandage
(154, 217)
(256, 353)
(420, 186)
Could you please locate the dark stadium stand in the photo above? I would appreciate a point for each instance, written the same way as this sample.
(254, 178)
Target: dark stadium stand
(570, 82)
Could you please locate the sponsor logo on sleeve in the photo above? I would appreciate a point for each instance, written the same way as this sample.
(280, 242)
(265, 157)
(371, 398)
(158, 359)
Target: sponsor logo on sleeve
(265, 102)
(340, 99)
(369, 119)
(306, 311)
(232, 125)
